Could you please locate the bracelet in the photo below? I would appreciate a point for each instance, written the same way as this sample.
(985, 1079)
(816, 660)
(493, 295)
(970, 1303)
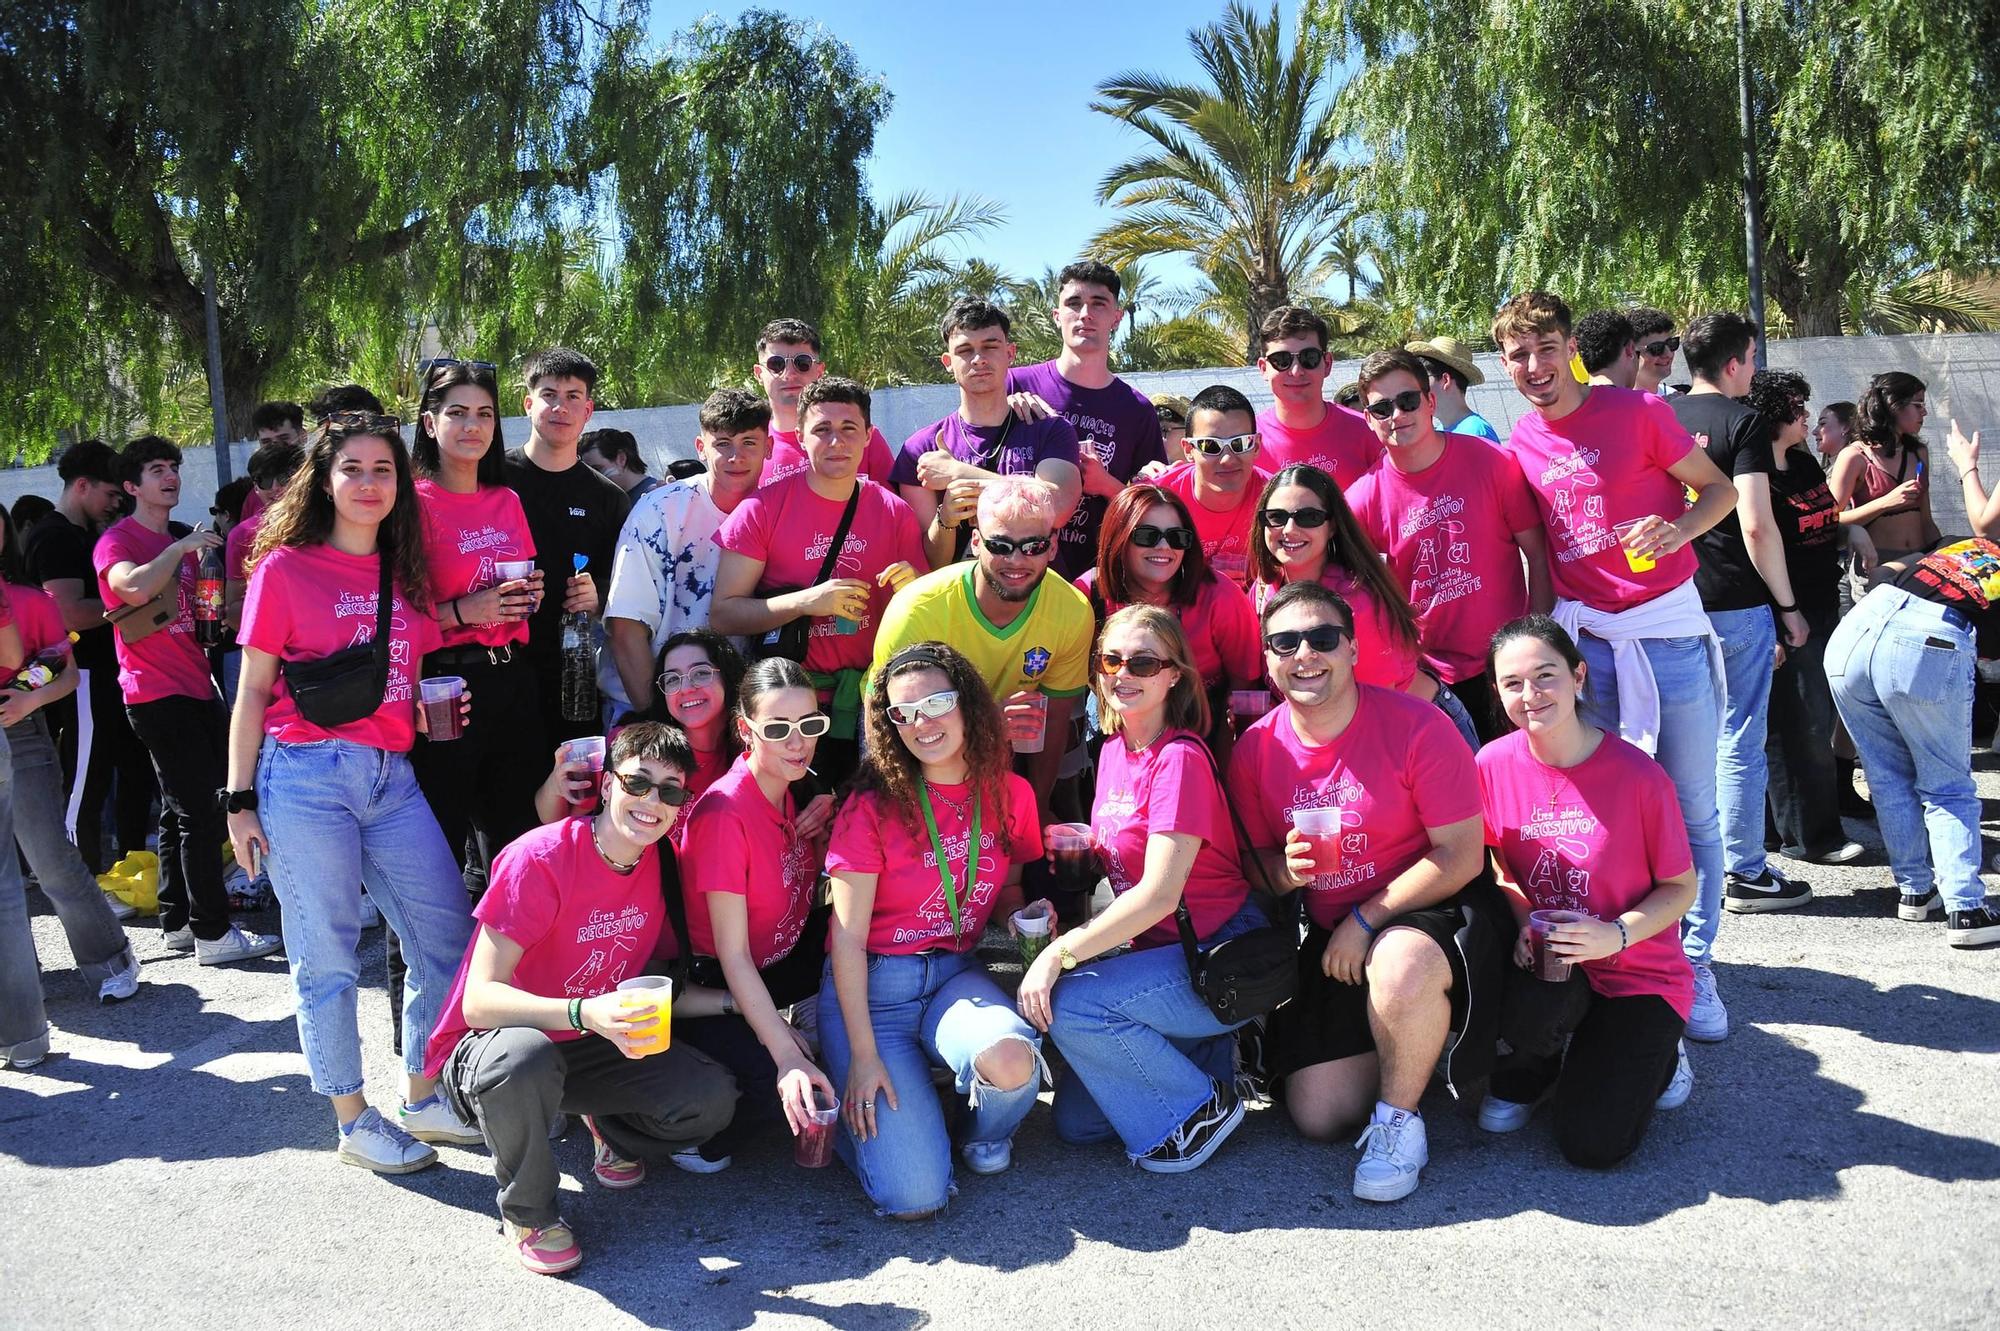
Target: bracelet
(1362, 920)
(1786, 609)
(576, 1015)
(1624, 939)
(454, 613)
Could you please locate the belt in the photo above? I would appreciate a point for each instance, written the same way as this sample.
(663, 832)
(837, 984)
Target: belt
(471, 654)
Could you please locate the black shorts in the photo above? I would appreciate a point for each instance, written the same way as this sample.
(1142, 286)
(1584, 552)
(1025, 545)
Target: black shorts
(1329, 1020)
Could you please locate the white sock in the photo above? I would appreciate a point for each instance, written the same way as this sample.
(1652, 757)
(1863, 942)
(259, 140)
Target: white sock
(1384, 1111)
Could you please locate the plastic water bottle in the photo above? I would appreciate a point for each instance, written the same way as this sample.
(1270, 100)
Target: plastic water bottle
(579, 661)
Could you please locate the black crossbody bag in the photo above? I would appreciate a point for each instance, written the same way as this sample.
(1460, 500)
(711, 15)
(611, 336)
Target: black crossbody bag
(340, 689)
(789, 639)
(1252, 973)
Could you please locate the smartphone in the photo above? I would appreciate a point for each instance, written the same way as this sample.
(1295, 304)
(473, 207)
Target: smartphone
(256, 859)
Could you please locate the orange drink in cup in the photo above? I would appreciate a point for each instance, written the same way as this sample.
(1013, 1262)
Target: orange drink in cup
(656, 992)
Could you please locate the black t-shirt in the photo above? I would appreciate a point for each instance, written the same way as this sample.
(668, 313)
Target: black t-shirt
(1739, 442)
(573, 512)
(56, 548)
(1808, 522)
(1964, 575)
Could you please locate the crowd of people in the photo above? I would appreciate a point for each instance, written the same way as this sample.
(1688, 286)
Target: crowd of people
(1315, 752)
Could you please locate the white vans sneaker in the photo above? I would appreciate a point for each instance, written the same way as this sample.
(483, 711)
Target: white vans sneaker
(236, 945)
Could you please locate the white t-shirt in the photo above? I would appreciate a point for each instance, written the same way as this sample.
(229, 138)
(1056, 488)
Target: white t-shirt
(663, 575)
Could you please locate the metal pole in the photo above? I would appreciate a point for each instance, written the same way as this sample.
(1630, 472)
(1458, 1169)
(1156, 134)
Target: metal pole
(1753, 189)
(215, 397)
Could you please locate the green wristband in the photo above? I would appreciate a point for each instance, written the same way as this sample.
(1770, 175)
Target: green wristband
(576, 1015)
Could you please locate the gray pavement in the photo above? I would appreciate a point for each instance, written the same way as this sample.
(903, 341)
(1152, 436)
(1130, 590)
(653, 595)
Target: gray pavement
(1839, 1164)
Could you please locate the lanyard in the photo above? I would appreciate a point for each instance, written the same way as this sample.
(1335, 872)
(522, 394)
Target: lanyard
(944, 864)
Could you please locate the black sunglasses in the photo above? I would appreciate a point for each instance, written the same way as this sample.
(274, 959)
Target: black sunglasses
(1665, 346)
(1275, 518)
(429, 367)
(360, 422)
(1323, 638)
(638, 785)
(801, 362)
(1032, 548)
(1174, 538)
(1383, 408)
(1309, 359)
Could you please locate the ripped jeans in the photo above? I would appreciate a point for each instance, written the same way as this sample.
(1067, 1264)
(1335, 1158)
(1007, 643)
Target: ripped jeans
(930, 1009)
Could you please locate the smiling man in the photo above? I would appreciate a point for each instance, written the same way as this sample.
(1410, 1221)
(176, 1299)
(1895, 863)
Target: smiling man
(1303, 426)
(1219, 479)
(789, 362)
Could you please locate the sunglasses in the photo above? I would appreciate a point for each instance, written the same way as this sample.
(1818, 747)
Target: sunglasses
(777, 732)
(1308, 518)
(1032, 548)
(1309, 359)
(1214, 446)
(436, 363)
(360, 422)
(1666, 346)
(638, 785)
(1323, 639)
(1382, 408)
(1140, 665)
(923, 709)
(802, 362)
(673, 681)
(1174, 538)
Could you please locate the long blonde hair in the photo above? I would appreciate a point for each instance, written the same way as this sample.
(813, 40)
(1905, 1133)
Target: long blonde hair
(1187, 703)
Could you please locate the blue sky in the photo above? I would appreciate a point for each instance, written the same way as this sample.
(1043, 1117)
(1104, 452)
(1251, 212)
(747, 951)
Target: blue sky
(959, 72)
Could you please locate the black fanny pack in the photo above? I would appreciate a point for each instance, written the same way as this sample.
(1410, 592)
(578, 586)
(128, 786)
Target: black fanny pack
(343, 688)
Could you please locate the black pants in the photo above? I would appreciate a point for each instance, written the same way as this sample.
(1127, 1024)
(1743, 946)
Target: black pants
(1622, 1054)
(187, 739)
(1482, 704)
(481, 786)
(1804, 786)
(92, 731)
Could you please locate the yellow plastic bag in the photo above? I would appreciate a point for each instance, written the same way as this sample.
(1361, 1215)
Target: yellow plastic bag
(135, 880)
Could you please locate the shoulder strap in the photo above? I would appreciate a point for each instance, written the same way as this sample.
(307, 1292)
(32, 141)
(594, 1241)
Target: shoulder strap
(1183, 920)
(832, 560)
(382, 600)
(670, 891)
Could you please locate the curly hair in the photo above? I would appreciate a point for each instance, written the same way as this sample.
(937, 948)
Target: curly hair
(888, 766)
(304, 514)
(1888, 393)
(1346, 545)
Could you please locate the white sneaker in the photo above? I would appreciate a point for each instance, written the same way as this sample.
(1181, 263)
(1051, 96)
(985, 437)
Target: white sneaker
(178, 940)
(436, 1122)
(373, 1142)
(1708, 1021)
(122, 983)
(236, 945)
(987, 1157)
(1681, 1087)
(694, 1162)
(25, 1054)
(1497, 1115)
(1394, 1151)
(121, 909)
(371, 918)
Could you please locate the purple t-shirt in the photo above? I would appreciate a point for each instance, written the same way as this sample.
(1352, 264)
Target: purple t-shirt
(1118, 423)
(1028, 443)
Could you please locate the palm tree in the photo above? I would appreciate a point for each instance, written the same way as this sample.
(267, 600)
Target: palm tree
(899, 283)
(1243, 175)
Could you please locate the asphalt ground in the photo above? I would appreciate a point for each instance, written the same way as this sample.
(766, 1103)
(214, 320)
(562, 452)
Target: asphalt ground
(1838, 1165)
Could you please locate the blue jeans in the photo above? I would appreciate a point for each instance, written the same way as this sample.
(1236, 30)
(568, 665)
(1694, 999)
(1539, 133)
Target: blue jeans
(1902, 672)
(1688, 742)
(934, 1009)
(340, 815)
(1144, 1051)
(1749, 656)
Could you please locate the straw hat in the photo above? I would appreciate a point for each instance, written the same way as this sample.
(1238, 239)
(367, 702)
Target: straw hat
(1173, 402)
(1450, 351)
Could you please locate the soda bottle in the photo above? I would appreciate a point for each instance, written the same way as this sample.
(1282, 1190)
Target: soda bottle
(44, 666)
(579, 661)
(208, 586)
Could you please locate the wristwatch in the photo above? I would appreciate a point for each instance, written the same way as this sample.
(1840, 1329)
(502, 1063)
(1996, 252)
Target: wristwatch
(236, 801)
(1065, 956)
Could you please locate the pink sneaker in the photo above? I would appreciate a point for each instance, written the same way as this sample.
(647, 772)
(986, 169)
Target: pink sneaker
(549, 1251)
(612, 1169)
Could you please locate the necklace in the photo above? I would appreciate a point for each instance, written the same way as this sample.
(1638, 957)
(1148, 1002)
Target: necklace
(958, 807)
(596, 841)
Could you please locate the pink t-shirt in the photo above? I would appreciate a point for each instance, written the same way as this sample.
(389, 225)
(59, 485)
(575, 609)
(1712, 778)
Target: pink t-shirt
(1382, 655)
(1169, 786)
(737, 843)
(790, 528)
(1225, 537)
(306, 602)
(1341, 445)
(1221, 629)
(166, 663)
(1448, 533)
(581, 925)
(911, 914)
(1603, 464)
(465, 535)
(1595, 838)
(36, 617)
(1399, 768)
(237, 545)
(788, 459)
(709, 765)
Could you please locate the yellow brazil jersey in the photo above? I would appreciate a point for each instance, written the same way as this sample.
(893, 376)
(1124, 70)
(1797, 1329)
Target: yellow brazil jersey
(1047, 645)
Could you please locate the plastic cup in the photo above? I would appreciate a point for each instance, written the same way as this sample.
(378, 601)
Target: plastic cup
(1550, 965)
(1072, 855)
(1033, 729)
(514, 570)
(813, 1147)
(441, 710)
(590, 751)
(1249, 704)
(657, 990)
(1032, 930)
(1637, 563)
(1321, 829)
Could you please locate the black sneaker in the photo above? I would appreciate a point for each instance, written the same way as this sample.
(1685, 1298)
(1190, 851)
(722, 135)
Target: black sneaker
(1195, 1140)
(1968, 928)
(1918, 909)
(1769, 891)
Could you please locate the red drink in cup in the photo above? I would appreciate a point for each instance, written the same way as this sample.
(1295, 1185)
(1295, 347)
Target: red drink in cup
(441, 696)
(1073, 859)
(813, 1148)
(1550, 965)
(1030, 722)
(1321, 829)
(589, 751)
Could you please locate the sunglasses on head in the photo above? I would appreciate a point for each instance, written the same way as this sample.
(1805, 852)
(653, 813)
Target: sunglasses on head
(1382, 408)
(1275, 518)
(777, 732)
(1666, 346)
(1311, 358)
(638, 785)
(801, 362)
(1214, 446)
(1140, 665)
(1032, 548)
(923, 709)
(700, 677)
(1174, 538)
(1321, 638)
(436, 363)
(360, 422)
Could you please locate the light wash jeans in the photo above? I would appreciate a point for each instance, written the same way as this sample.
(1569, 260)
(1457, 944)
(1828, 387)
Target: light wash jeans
(1688, 741)
(1749, 656)
(1144, 1051)
(935, 1009)
(1902, 671)
(340, 815)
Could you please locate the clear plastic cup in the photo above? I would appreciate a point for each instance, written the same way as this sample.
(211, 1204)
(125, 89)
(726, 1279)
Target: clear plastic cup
(442, 720)
(1032, 930)
(1033, 727)
(514, 570)
(589, 751)
(1637, 563)
(1321, 829)
(1550, 965)
(658, 991)
(813, 1148)
(1249, 704)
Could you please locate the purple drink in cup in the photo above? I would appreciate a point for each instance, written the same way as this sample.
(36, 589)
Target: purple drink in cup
(1550, 965)
(441, 694)
(813, 1147)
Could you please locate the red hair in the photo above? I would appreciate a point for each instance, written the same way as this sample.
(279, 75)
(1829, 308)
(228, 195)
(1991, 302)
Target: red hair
(1128, 510)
